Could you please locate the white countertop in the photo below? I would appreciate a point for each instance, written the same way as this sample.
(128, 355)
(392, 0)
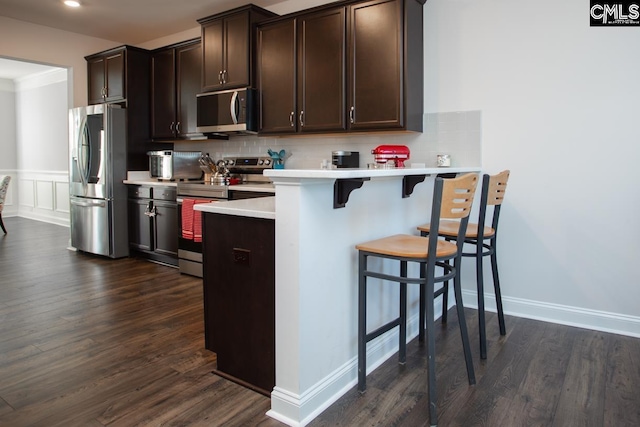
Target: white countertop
(267, 187)
(261, 207)
(346, 173)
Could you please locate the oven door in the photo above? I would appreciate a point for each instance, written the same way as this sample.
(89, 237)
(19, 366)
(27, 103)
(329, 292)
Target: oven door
(190, 251)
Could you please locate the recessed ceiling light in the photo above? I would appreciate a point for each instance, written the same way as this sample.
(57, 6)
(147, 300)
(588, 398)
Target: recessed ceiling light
(72, 3)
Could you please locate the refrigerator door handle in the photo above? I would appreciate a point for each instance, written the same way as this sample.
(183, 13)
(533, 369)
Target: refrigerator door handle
(81, 152)
(89, 204)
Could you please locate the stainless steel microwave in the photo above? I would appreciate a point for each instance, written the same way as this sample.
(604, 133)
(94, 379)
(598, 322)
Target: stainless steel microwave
(228, 111)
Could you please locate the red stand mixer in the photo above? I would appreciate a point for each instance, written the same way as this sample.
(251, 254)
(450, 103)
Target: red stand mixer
(385, 154)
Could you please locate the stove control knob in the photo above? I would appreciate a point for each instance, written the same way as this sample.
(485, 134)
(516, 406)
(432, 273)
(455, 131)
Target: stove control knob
(230, 162)
(260, 162)
(267, 162)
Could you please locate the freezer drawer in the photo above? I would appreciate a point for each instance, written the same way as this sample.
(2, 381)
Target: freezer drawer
(92, 227)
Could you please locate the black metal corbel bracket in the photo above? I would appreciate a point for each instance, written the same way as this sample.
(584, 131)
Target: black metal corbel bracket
(342, 188)
(409, 182)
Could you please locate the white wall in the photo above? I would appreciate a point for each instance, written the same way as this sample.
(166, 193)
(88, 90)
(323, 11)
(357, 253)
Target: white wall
(560, 104)
(8, 159)
(42, 122)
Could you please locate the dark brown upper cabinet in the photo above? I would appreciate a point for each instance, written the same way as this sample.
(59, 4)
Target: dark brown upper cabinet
(227, 47)
(106, 76)
(121, 75)
(385, 89)
(349, 66)
(175, 81)
(302, 73)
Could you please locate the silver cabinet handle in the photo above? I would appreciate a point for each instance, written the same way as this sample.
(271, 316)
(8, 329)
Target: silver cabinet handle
(178, 127)
(220, 77)
(171, 126)
(292, 118)
(301, 119)
(224, 76)
(352, 115)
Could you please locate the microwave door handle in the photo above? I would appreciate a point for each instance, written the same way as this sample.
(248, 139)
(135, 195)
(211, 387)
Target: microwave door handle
(234, 107)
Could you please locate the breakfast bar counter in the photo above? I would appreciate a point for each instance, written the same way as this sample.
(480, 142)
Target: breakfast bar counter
(316, 274)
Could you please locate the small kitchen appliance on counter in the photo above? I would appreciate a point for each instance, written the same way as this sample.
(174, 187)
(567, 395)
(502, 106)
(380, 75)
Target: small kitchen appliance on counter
(345, 159)
(175, 165)
(391, 155)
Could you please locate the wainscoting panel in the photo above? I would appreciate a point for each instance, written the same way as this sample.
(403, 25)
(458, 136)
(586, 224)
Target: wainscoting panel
(44, 196)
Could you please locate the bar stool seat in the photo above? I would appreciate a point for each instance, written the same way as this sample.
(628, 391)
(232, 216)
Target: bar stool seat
(483, 238)
(452, 198)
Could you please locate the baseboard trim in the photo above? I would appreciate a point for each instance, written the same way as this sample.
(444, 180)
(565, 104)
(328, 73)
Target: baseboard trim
(561, 314)
(36, 216)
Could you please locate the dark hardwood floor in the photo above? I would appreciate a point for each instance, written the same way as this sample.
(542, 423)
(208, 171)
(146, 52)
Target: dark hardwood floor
(87, 341)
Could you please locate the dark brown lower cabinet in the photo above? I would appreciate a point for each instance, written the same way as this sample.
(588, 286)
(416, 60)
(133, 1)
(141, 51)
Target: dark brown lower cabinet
(153, 223)
(239, 297)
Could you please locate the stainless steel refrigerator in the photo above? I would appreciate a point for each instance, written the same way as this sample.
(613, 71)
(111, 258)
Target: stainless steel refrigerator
(97, 167)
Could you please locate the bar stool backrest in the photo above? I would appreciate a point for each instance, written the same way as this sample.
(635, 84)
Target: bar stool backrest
(452, 199)
(457, 196)
(493, 191)
(497, 188)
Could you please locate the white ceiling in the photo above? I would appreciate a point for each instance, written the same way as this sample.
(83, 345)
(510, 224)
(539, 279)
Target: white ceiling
(123, 21)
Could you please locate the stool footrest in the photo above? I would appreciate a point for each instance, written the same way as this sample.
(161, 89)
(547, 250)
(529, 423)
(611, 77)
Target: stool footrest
(382, 329)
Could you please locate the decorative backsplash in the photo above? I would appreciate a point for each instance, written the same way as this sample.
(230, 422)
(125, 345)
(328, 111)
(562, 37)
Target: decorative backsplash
(457, 134)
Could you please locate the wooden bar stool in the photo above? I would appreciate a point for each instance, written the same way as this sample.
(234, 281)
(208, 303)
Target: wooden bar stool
(484, 240)
(452, 199)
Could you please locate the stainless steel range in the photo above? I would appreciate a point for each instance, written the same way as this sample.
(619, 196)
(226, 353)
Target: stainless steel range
(236, 178)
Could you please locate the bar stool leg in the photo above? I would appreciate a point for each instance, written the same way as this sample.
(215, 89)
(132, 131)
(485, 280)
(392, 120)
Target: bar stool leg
(402, 345)
(445, 299)
(431, 349)
(362, 323)
(496, 287)
(422, 307)
(481, 314)
(463, 325)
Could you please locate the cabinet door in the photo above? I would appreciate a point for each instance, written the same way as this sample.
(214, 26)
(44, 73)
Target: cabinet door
(376, 65)
(236, 67)
(239, 296)
(276, 77)
(212, 55)
(188, 65)
(166, 227)
(139, 224)
(115, 78)
(96, 80)
(321, 71)
(163, 98)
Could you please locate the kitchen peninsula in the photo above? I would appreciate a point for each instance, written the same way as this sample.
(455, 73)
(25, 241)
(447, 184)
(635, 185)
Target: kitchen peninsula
(319, 216)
